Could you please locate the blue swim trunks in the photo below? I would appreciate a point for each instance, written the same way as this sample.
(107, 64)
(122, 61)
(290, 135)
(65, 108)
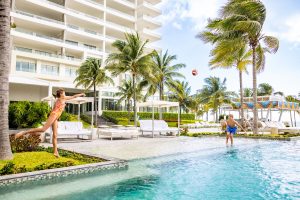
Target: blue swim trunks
(231, 130)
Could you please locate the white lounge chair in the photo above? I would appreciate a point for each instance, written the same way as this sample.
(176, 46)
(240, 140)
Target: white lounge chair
(66, 128)
(130, 132)
(160, 126)
(280, 126)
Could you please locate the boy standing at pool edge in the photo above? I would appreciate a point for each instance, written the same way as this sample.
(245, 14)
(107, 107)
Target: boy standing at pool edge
(231, 128)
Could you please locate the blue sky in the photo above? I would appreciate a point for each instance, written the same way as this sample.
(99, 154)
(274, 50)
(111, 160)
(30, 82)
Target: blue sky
(183, 19)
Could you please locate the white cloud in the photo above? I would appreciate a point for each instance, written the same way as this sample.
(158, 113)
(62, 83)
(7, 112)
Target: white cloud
(197, 11)
(177, 25)
(291, 30)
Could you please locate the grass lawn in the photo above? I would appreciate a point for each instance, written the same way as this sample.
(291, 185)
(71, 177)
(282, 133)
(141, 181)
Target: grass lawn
(43, 159)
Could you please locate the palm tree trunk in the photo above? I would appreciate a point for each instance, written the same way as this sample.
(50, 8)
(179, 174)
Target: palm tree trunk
(216, 115)
(5, 149)
(242, 95)
(179, 115)
(95, 106)
(128, 108)
(161, 92)
(134, 99)
(254, 90)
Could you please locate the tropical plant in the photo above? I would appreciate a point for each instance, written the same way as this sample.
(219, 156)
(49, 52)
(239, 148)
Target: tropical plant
(243, 20)
(181, 92)
(5, 56)
(131, 57)
(126, 92)
(214, 93)
(248, 92)
(164, 71)
(264, 89)
(92, 74)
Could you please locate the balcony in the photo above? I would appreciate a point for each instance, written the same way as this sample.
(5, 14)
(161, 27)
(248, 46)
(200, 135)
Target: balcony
(68, 11)
(148, 9)
(151, 35)
(148, 22)
(54, 41)
(40, 55)
(85, 32)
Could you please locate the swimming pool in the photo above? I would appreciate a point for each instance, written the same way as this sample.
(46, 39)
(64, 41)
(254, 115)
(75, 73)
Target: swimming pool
(258, 169)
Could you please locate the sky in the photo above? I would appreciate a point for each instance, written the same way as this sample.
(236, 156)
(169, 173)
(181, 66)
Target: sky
(183, 19)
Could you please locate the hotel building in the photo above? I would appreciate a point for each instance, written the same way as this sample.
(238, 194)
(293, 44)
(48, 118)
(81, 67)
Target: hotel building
(53, 37)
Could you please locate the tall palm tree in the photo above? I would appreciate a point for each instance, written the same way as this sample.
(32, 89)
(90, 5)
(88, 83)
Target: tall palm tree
(244, 20)
(130, 57)
(92, 74)
(228, 54)
(181, 92)
(214, 93)
(126, 91)
(264, 89)
(5, 149)
(165, 71)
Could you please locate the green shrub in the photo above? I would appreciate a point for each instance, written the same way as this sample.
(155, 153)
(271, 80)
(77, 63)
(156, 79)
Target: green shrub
(86, 119)
(7, 169)
(24, 114)
(68, 117)
(113, 116)
(30, 143)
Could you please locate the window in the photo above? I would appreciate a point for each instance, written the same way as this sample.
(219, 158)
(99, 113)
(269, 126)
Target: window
(110, 104)
(25, 66)
(72, 42)
(49, 69)
(70, 72)
(108, 94)
(90, 46)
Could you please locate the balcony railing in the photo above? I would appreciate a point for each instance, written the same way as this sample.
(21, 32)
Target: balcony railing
(38, 17)
(55, 39)
(38, 52)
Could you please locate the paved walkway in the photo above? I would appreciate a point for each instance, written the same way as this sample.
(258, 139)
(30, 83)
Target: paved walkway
(129, 149)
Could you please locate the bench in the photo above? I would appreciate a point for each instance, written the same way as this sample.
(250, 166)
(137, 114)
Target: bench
(66, 128)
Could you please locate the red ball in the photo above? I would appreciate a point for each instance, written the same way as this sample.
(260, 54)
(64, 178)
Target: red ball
(194, 72)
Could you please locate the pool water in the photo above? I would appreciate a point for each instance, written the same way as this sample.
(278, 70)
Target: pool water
(259, 169)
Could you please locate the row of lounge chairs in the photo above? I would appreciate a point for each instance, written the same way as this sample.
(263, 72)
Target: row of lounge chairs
(75, 129)
(201, 125)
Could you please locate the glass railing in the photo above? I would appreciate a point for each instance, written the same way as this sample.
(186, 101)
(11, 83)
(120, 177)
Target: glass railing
(56, 39)
(38, 52)
(112, 10)
(38, 17)
(151, 32)
(150, 19)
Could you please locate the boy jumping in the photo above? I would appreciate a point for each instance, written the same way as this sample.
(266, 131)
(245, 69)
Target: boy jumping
(231, 128)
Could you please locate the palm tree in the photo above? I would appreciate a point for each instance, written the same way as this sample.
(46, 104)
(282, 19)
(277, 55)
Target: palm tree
(229, 53)
(244, 20)
(214, 93)
(130, 57)
(91, 74)
(264, 89)
(165, 71)
(5, 149)
(181, 92)
(126, 91)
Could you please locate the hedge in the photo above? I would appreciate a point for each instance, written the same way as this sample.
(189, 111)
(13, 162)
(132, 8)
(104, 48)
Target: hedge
(25, 114)
(114, 116)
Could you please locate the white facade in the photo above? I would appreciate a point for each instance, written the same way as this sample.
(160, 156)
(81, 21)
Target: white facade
(53, 37)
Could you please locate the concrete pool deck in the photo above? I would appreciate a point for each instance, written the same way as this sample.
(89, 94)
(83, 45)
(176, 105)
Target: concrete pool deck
(130, 149)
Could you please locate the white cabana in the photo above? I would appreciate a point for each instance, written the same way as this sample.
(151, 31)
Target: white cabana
(159, 104)
(78, 101)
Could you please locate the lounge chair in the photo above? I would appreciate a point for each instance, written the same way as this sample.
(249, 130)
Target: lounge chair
(66, 128)
(160, 126)
(130, 132)
(280, 126)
